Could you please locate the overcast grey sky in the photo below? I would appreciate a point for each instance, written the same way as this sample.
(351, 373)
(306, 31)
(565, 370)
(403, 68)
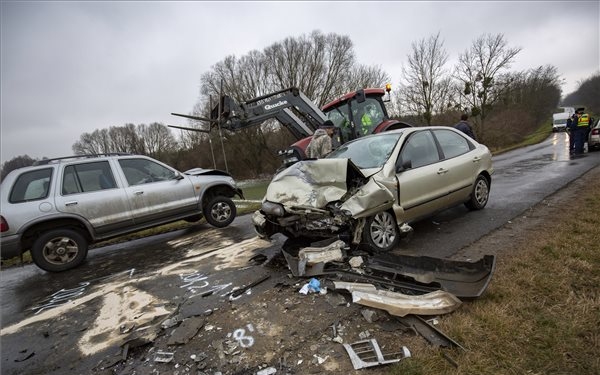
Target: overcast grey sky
(73, 67)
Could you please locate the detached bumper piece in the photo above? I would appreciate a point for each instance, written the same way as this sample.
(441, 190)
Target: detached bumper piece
(463, 279)
(407, 274)
(368, 354)
(398, 304)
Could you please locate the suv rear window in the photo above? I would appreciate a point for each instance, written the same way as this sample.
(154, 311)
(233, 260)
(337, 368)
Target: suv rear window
(31, 186)
(82, 178)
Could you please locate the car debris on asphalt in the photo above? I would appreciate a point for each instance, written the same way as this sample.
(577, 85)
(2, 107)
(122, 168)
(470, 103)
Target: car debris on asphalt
(367, 353)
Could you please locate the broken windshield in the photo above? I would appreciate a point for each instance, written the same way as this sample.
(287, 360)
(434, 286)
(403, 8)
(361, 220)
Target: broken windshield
(368, 152)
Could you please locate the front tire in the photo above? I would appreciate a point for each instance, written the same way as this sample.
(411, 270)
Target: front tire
(59, 250)
(220, 212)
(381, 232)
(480, 194)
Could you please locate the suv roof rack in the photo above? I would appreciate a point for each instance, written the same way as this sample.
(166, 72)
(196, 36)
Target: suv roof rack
(47, 161)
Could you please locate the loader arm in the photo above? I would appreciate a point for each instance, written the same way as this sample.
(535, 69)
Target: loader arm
(290, 107)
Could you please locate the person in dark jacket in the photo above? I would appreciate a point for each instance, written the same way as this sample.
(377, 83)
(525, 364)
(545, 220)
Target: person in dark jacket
(571, 127)
(464, 126)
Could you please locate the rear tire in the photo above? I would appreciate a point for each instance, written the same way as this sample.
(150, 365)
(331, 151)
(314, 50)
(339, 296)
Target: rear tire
(59, 250)
(479, 195)
(220, 212)
(381, 232)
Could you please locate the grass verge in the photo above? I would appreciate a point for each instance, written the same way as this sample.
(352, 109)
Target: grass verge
(541, 313)
(536, 137)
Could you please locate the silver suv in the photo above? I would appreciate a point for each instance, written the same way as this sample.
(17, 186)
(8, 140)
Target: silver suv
(58, 207)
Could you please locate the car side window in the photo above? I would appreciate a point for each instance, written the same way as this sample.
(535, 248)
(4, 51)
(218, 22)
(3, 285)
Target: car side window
(420, 149)
(31, 186)
(143, 171)
(87, 177)
(452, 144)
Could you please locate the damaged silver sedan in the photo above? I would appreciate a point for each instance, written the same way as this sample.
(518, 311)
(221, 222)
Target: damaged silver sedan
(369, 190)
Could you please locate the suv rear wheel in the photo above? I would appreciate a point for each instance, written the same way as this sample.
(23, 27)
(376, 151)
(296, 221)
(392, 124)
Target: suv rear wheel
(59, 250)
(220, 212)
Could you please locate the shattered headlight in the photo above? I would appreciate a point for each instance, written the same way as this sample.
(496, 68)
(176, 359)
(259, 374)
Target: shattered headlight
(274, 209)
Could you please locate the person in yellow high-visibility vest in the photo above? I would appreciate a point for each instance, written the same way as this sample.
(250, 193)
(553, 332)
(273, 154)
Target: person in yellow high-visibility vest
(581, 131)
(366, 120)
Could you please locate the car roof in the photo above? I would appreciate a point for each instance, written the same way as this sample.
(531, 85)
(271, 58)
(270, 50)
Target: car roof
(407, 130)
(59, 160)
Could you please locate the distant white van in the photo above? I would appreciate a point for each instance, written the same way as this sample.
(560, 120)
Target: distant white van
(559, 121)
(569, 110)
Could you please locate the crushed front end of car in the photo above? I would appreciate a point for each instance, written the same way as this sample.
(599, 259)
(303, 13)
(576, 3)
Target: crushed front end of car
(320, 199)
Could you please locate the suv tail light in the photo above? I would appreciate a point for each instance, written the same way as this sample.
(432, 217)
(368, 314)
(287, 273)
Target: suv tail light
(3, 224)
(596, 131)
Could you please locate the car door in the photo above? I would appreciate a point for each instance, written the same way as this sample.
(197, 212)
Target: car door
(90, 190)
(422, 187)
(157, 192)
(460, 162)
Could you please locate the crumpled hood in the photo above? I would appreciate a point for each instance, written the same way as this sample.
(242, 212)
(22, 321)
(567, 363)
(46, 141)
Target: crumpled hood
(314, 183)
(202, 171)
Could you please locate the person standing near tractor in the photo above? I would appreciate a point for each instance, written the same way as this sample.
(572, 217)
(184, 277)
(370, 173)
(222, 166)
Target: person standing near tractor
(321, 143)
(464, 126)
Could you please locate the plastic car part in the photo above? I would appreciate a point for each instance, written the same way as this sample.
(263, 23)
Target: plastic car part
(367, 353)
(461, 278)
(399, 304)
(428, 331)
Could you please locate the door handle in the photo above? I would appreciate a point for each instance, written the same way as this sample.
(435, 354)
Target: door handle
(71, 203)
(138, 192)
(476, 159)
(442, 171)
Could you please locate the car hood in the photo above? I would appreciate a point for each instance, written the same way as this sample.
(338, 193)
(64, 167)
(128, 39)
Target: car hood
(315, 183)
(202, 171)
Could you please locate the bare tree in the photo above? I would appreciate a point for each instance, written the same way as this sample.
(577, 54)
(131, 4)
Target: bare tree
(321, 65)
(157, 138)
(426, 85)
(363, 76)
(587, 94)
(125, 139)
(477, 71)
(318, 64)
(15, 163)
(96, 142)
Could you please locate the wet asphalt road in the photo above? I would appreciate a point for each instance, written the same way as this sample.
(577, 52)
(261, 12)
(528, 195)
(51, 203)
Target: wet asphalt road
(60, 317)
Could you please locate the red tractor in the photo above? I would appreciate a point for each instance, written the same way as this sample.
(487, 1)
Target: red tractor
(355, 114)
